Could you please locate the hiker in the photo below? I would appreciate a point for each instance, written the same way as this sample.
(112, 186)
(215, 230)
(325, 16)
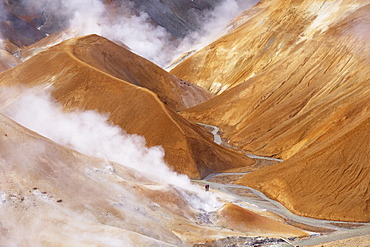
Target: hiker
(206, 187)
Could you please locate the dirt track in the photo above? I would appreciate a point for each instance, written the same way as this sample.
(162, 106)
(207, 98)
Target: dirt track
(322, 232)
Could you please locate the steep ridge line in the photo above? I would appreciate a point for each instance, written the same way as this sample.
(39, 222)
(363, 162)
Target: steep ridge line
(188, 150)
(155, 96)
(124, 64)
(69, 50)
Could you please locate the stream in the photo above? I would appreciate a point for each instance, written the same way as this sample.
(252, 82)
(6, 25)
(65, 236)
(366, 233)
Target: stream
(320, 231)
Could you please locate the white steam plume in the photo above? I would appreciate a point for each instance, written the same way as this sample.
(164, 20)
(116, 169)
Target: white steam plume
(136, 31)
(214, 23)
(90, 133)
(2, 17)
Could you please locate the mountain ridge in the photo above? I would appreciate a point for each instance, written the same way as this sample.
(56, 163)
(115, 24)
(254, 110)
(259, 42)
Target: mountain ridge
(77, 85)
(296, 101)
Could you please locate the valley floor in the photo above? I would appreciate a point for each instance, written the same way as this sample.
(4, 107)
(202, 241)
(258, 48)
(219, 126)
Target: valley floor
(322, 232)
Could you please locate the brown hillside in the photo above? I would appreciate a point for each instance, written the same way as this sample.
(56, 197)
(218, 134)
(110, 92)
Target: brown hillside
(282, 110)
(241, 219)
(327, 181)
(270, 31)
(123, 64)
(4, 66)
(306, 101)
(77, 85)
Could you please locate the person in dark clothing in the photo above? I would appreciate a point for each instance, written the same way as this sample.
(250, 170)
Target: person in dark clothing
(206, 187)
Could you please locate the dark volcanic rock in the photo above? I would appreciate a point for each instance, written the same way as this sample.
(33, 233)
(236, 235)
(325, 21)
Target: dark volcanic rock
(19, 32)
(177, 17)
(19, 24)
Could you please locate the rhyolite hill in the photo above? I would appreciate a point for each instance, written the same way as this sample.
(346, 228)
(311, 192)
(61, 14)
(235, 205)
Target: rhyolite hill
(295, 81)
(93, 73)
(288, 79)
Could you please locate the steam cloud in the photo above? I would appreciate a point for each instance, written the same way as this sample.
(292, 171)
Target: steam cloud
(90, 133)
(214, 23)
(136, 30)
(2, 14)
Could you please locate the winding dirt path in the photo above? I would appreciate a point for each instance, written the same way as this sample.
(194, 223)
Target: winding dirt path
(322, 231)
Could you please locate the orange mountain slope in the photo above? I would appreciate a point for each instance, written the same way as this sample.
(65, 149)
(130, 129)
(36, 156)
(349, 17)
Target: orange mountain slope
(270, 31)
(282, 110)
(306, 101)
(78, 85)
(123, 64)
(241, 219)
(327, 181)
